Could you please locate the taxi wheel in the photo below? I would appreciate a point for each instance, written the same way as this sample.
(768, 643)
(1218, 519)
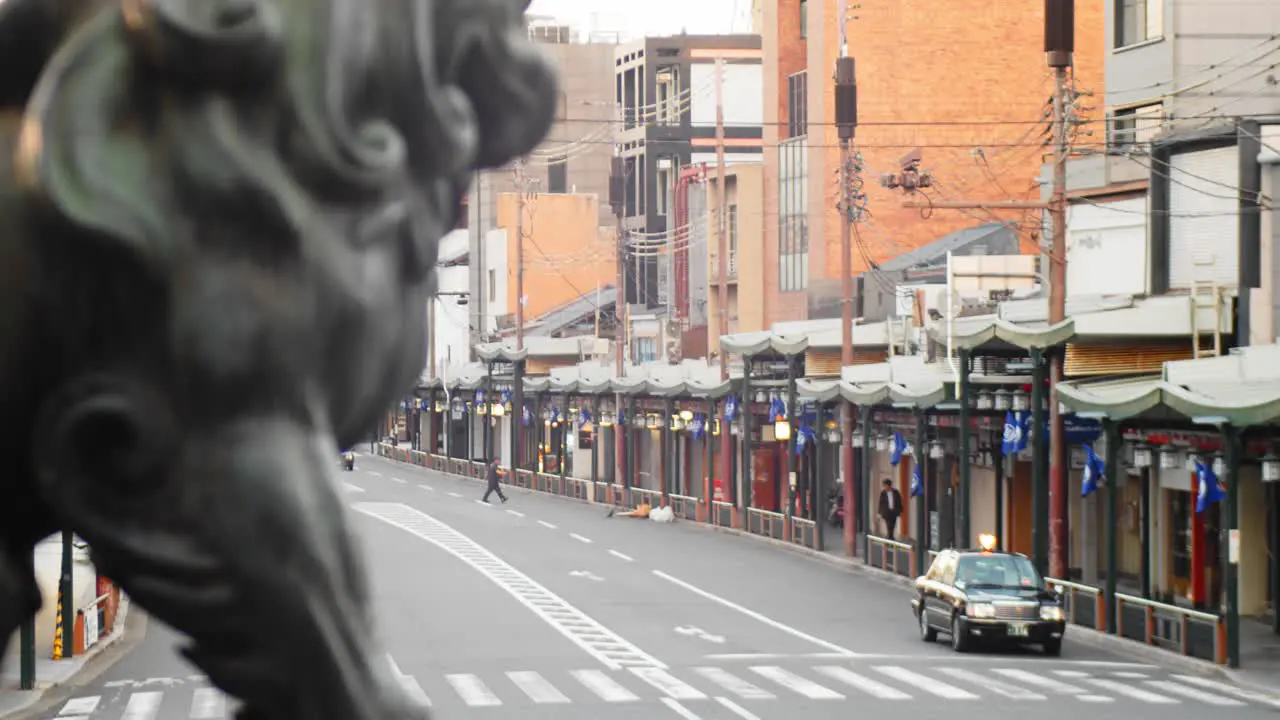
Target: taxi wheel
(927, 633)
(1053, 648)
(959, 641)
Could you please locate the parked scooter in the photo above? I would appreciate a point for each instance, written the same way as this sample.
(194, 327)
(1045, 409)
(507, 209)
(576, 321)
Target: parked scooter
(835, 501)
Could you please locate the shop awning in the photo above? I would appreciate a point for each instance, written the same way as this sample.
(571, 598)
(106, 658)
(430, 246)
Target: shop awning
(974, 332)
(750, 344)
(1117, 399)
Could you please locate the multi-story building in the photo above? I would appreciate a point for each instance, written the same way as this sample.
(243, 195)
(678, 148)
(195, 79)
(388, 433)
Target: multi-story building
(963, 82)
(574, 158)
(666, 94)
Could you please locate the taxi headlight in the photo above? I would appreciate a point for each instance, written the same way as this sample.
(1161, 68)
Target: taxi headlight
(1051, 613)
(982, 610)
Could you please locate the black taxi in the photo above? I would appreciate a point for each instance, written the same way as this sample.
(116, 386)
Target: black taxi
(987, 596)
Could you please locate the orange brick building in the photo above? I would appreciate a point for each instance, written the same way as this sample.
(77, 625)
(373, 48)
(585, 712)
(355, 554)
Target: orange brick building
(963, 80)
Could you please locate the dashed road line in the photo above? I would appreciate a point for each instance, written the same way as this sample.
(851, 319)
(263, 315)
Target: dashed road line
(621, 556)
(517, 513)
(580, 538)
(546, 524)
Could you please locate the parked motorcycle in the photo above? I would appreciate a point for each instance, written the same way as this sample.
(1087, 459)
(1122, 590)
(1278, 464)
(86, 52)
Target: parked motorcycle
(349, 460)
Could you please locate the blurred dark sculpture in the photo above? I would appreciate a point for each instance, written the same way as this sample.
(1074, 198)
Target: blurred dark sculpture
(218, 226)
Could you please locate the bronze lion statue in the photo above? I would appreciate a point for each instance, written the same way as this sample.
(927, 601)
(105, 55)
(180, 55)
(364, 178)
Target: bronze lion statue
(218, 227)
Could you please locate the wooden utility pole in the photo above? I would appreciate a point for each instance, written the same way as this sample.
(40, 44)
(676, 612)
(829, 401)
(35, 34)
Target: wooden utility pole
(1059, 47)
(431, 337)
(846, 126)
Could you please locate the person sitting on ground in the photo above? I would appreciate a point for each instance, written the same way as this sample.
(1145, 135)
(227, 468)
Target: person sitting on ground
(642, 511)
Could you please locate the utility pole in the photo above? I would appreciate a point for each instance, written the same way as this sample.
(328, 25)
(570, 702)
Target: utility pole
(431, 337)
(1059, 47)
(722, 294)
(846, 126)
(520, 200)
(617, 201)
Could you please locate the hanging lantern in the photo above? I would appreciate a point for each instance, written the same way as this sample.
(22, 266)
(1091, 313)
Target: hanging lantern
(1270, 468)
(1003, 402)
(984, 401)
(936, 450)
(1219, 466)
(1142, 456)
(1021, 401)
(1168, 458)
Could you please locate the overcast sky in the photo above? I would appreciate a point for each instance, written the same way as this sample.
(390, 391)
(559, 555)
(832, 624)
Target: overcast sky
(650, 17)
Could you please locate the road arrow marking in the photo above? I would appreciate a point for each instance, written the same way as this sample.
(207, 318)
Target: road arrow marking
(586, 574)
(691, 631)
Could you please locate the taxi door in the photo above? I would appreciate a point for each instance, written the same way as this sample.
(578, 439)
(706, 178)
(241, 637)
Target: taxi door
(937, 602)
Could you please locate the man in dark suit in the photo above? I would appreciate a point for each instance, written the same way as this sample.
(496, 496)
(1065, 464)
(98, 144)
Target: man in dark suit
(890, 507)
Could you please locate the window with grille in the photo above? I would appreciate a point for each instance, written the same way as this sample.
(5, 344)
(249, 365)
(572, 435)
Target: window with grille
(793, 220)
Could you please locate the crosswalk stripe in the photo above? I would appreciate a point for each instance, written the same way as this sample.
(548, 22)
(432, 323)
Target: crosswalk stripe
(669, 684)
(142, 706)
(537, 688)
(1054, 686)
(1203, 696)
(734, 684)
(208, 704)
(737, 709)
(863, 683)
(410, 686)
(1120, 688)
(1228, 690)
(473, 691)
(795, 683)
(80, 706)
(926, 683)
(1013, 692)
(604, 686)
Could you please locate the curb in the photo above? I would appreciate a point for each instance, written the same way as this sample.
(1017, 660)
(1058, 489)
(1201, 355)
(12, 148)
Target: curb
(1087, 636)
(34, 696)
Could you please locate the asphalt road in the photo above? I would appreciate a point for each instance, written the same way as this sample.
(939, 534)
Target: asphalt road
(545, 608)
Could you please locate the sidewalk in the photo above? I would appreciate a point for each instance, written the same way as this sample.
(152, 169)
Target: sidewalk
(49, 673)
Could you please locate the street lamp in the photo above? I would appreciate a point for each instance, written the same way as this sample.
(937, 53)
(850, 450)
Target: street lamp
(1270, 468)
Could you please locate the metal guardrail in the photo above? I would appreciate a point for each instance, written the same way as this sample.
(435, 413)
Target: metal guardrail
(1191, 633)
(891, 555)
(1091, 613)
(804, 532)
(683, 506)
(766, 523)
(721, 514)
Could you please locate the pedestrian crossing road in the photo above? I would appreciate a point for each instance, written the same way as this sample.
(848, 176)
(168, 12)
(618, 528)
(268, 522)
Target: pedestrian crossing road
(755, 686)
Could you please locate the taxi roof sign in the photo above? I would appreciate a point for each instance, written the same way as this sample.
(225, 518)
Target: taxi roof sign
(987, 542)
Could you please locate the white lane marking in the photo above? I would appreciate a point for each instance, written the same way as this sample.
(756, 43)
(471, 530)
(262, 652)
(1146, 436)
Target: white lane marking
(755, 615)
(587, 574)
(537, 688)
(925, 683)
(454, 494)
(580, 539)
(208, 704)
(142, 706)
(428, 488)
(398, 480)
(1120, 688)
(680, 710)
(546, 524)
(604, 686)
(669, 684)
(585, 632)
(352, 488)
(621, 556)
(783, 656)
(1071, 673)
(1228, 690)
(517, 513)
(1130, 675)
(375, 474)
(691, 631)
(795, 683)
(473, 691)
(1203, 696)
(80, 706)
(982, 680)
(737, 709)
(410, 685)
(481, 502)
(734, 684)
(1044, 683)
(865, 684)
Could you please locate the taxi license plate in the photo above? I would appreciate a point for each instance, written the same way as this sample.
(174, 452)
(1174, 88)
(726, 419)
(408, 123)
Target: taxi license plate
(1018, 630)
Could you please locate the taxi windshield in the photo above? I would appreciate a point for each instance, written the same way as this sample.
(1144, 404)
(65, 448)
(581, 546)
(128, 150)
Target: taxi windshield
(997, 571)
